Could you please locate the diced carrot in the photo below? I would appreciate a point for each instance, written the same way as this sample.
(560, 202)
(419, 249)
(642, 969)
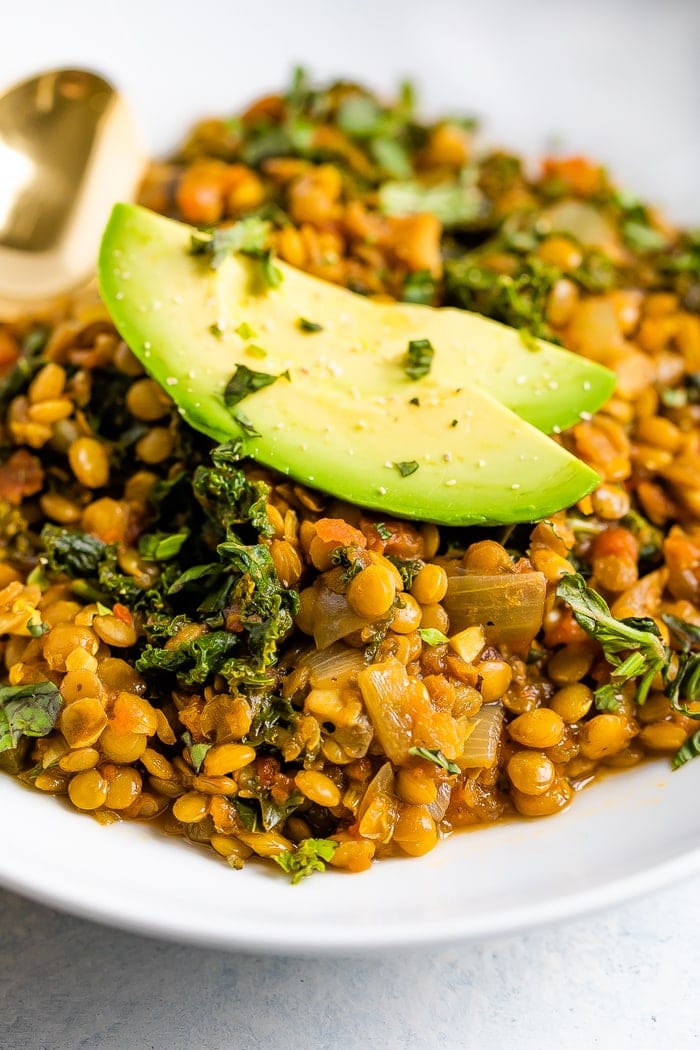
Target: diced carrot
(336, 530)
(581, 175)
(122, 613)
(616, 542)
(21, 475)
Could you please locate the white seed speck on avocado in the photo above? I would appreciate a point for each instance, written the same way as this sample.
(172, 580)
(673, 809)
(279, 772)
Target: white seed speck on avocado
(556, 430)
(147, 345)
(451, 482)
(381, 490)
(171, 381)
(157, 304)
(361, 424)
(388, 463)
(586, 385)
(521, 380)
(515, 486)
(176, 299)
(119, 295)
(585, 416)
(552, 385)
(126, 275)
(481, 463)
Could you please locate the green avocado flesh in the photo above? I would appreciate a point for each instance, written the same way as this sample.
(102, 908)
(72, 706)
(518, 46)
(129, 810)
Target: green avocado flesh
(344, 418)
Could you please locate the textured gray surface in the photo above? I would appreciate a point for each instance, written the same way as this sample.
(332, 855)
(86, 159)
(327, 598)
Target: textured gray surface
(622, 979)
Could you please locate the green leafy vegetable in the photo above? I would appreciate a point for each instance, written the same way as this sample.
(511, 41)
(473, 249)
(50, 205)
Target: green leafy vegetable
(193, 661)
(419, 358)
(74, 553)
(690, 749)
(419, 287)
(245, 381)
(436, 757)
(408, 569)
(519, 299)
(383, 530)
(638, 637)
(309, 856)
(249, 236)
(27, 710)
(162, 546)
(454, 203)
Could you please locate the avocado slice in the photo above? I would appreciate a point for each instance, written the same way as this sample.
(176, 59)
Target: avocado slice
(342, 416)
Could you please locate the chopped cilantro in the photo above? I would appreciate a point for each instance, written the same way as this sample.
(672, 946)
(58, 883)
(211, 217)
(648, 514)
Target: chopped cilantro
(309, 326)
(455, 203)
(309, 856)
(245, 331)
(419, 287)
(436, 757)
(216, 330)
(383, 530)
(245, 381)
(638, 637)
(249, 236)
(431, 636)
(407, 467)
(197, 751)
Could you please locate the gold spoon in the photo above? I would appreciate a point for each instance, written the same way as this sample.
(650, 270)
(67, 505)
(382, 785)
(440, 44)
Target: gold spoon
(69, 149)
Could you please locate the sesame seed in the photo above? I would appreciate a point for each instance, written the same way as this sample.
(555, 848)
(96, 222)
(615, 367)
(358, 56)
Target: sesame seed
(381, 490)
(171, 381)
(452, 481)
(515, 486)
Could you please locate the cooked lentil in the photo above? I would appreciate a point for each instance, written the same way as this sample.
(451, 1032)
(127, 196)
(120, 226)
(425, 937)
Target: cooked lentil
(308, 699)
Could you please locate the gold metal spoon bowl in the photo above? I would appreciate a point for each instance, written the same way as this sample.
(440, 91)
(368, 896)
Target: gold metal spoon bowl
(69, 148)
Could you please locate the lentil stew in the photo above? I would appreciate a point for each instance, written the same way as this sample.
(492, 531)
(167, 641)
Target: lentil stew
(272, 672)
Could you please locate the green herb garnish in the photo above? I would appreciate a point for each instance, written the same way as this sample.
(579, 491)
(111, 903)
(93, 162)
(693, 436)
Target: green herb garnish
(309, 856)
(406, 467)
(309, 326)
(436, 757)
(638, 637)
(419, 358)
(27, 710)
(245, 381)
(431, 636)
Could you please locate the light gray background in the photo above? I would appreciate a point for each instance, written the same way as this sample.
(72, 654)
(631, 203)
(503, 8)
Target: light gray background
(628, 978)
(618, 78)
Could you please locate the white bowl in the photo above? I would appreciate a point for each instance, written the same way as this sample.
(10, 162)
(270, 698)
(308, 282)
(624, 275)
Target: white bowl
(533, 72)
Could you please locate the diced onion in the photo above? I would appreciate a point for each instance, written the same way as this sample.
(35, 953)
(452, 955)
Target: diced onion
(333, 618)
(385, 690)
(331, 665)
(438, 808)
(481, 748)
(584, 222)
(509, 606)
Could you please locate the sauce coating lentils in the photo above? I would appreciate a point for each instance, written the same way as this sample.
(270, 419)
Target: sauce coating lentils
(276, 674)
